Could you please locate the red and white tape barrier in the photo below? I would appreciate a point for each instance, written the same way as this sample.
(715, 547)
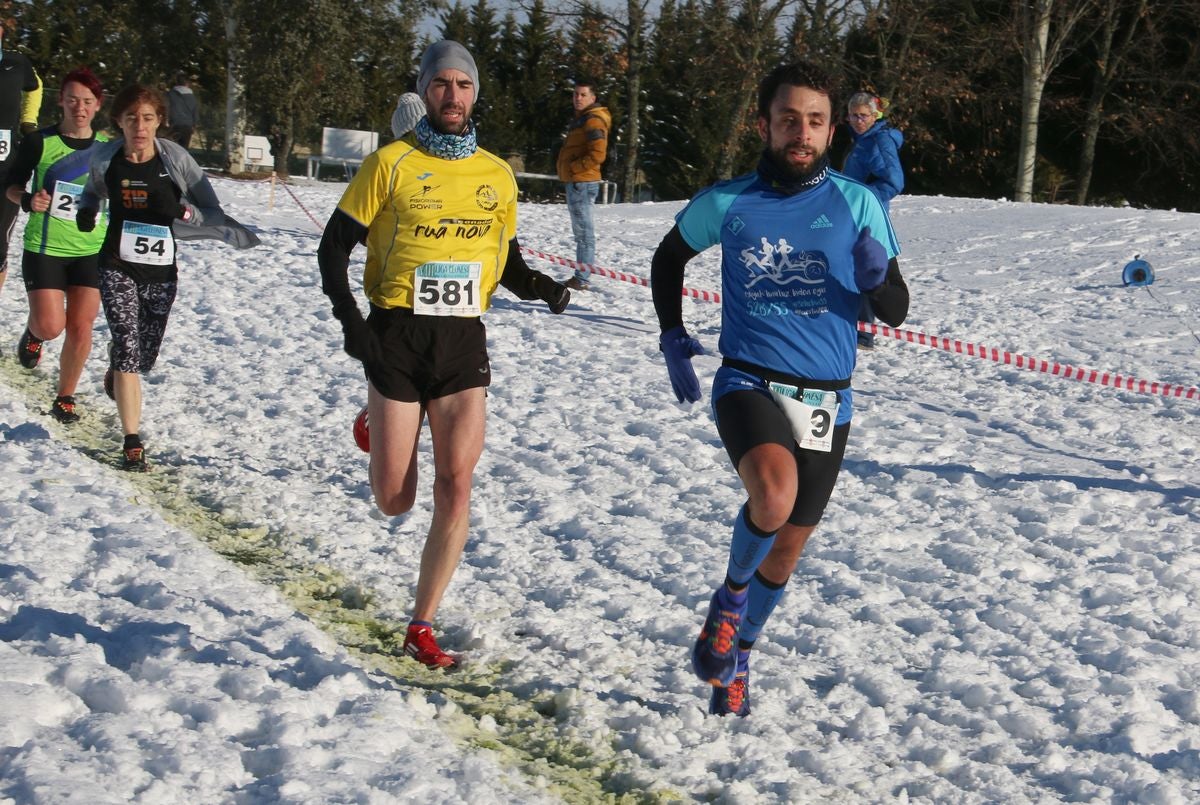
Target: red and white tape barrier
(947, 344)
(320, 226)
(703, 296)
(1034, 364)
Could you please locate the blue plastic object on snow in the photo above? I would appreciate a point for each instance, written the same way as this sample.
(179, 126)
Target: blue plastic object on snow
(1138, 272)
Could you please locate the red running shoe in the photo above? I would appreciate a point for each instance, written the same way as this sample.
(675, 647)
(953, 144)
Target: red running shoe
(422, 647)
(362, 433)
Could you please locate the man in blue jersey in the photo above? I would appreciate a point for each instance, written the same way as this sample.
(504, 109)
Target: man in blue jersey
(800, 245)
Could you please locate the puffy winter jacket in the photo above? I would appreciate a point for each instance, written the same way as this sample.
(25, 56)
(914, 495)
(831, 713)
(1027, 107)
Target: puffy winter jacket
(583, 153)
(875, 160)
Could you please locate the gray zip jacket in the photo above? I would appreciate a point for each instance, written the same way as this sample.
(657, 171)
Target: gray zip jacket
(209, 221)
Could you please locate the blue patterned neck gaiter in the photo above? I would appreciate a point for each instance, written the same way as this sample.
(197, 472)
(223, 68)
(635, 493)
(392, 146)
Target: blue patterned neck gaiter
(446, 146)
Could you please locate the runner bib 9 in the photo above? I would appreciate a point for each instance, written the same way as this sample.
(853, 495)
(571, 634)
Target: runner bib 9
(811, 413)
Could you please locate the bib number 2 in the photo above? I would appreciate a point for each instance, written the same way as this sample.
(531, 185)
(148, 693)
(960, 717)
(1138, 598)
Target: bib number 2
(66, 199)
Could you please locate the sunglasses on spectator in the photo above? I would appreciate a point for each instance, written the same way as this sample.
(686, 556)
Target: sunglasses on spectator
(861, 117)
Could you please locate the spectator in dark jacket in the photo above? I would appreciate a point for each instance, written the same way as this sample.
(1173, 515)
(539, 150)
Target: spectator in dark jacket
(183, 110)
(874, 160)
(20, 100)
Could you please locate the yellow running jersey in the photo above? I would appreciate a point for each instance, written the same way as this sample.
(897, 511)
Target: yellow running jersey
(437, 229)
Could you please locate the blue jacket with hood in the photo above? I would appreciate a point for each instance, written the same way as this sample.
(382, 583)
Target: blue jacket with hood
(875, 160)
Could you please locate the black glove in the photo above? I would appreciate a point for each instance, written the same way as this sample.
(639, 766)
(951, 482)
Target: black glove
(85, 219)
(556, 295)
(360, 342)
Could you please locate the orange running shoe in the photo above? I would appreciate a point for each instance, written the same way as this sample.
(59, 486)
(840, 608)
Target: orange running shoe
(714, 657)
(733, 700)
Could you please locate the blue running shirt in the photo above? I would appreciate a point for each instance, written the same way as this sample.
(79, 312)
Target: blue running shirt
(789, 301)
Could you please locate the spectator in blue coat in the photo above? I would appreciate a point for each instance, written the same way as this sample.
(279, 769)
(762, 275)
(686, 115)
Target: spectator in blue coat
(874, 160)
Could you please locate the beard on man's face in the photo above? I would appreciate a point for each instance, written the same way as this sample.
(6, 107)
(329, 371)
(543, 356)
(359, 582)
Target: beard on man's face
(451, 117)
(785, 158)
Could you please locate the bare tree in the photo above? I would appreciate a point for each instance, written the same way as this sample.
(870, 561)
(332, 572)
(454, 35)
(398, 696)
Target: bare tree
(818, 29)
(235, 109)
(753, 37)
(1121, 22)
(1044, 29)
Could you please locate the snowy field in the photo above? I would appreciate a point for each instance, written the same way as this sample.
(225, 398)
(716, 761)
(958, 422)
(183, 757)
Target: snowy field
(1001, 606)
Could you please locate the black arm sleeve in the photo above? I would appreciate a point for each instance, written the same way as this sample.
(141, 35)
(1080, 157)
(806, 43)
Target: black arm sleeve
(25, 160)
(666, 278)
(890, 300)
(342, 234)
(518, 278)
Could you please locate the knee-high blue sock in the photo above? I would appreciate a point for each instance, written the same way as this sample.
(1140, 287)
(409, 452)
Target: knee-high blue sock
(748, 548)
(763, 596)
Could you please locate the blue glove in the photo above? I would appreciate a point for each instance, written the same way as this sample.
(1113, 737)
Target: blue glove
(870, 261)
(678, 348)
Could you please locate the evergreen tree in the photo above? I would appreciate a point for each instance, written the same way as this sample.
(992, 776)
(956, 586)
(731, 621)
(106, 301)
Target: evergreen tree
(491, 109)
(384, 59)
(297, 76)
(499, 130)
(540, 56)
(1127, 84)
(678, 142)
(593, 54)
(456, 23)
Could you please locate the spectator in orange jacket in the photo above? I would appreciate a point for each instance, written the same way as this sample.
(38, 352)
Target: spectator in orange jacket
(579, 162)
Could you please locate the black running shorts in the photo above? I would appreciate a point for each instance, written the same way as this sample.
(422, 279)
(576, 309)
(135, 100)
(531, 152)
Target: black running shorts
(43, 272)
(746, 419)
(426, 357)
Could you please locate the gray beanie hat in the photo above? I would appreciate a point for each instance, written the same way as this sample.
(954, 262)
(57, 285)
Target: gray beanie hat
(445, 55)
(409, 109)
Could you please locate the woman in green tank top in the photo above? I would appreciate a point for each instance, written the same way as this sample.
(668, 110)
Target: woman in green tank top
(60, 263)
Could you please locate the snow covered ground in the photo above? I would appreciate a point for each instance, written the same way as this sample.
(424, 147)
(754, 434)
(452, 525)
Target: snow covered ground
(1002, 605)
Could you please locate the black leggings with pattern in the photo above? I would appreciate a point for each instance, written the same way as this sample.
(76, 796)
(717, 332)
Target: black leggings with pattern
(137, 318)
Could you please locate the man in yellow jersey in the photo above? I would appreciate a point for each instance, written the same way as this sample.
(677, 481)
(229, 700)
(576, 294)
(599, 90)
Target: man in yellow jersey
(438, 215)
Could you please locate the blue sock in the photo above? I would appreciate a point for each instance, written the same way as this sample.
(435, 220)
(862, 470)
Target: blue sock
(748, 548)
(743, 661)
(763, 595)
(419, 624)
(731, 599)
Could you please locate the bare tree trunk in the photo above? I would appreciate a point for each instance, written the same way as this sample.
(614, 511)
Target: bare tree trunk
(1110, 55)
(1041, 54)
(1035, 31)
(635, 37)
(235, 119)
(758, 31)
(281, 139)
